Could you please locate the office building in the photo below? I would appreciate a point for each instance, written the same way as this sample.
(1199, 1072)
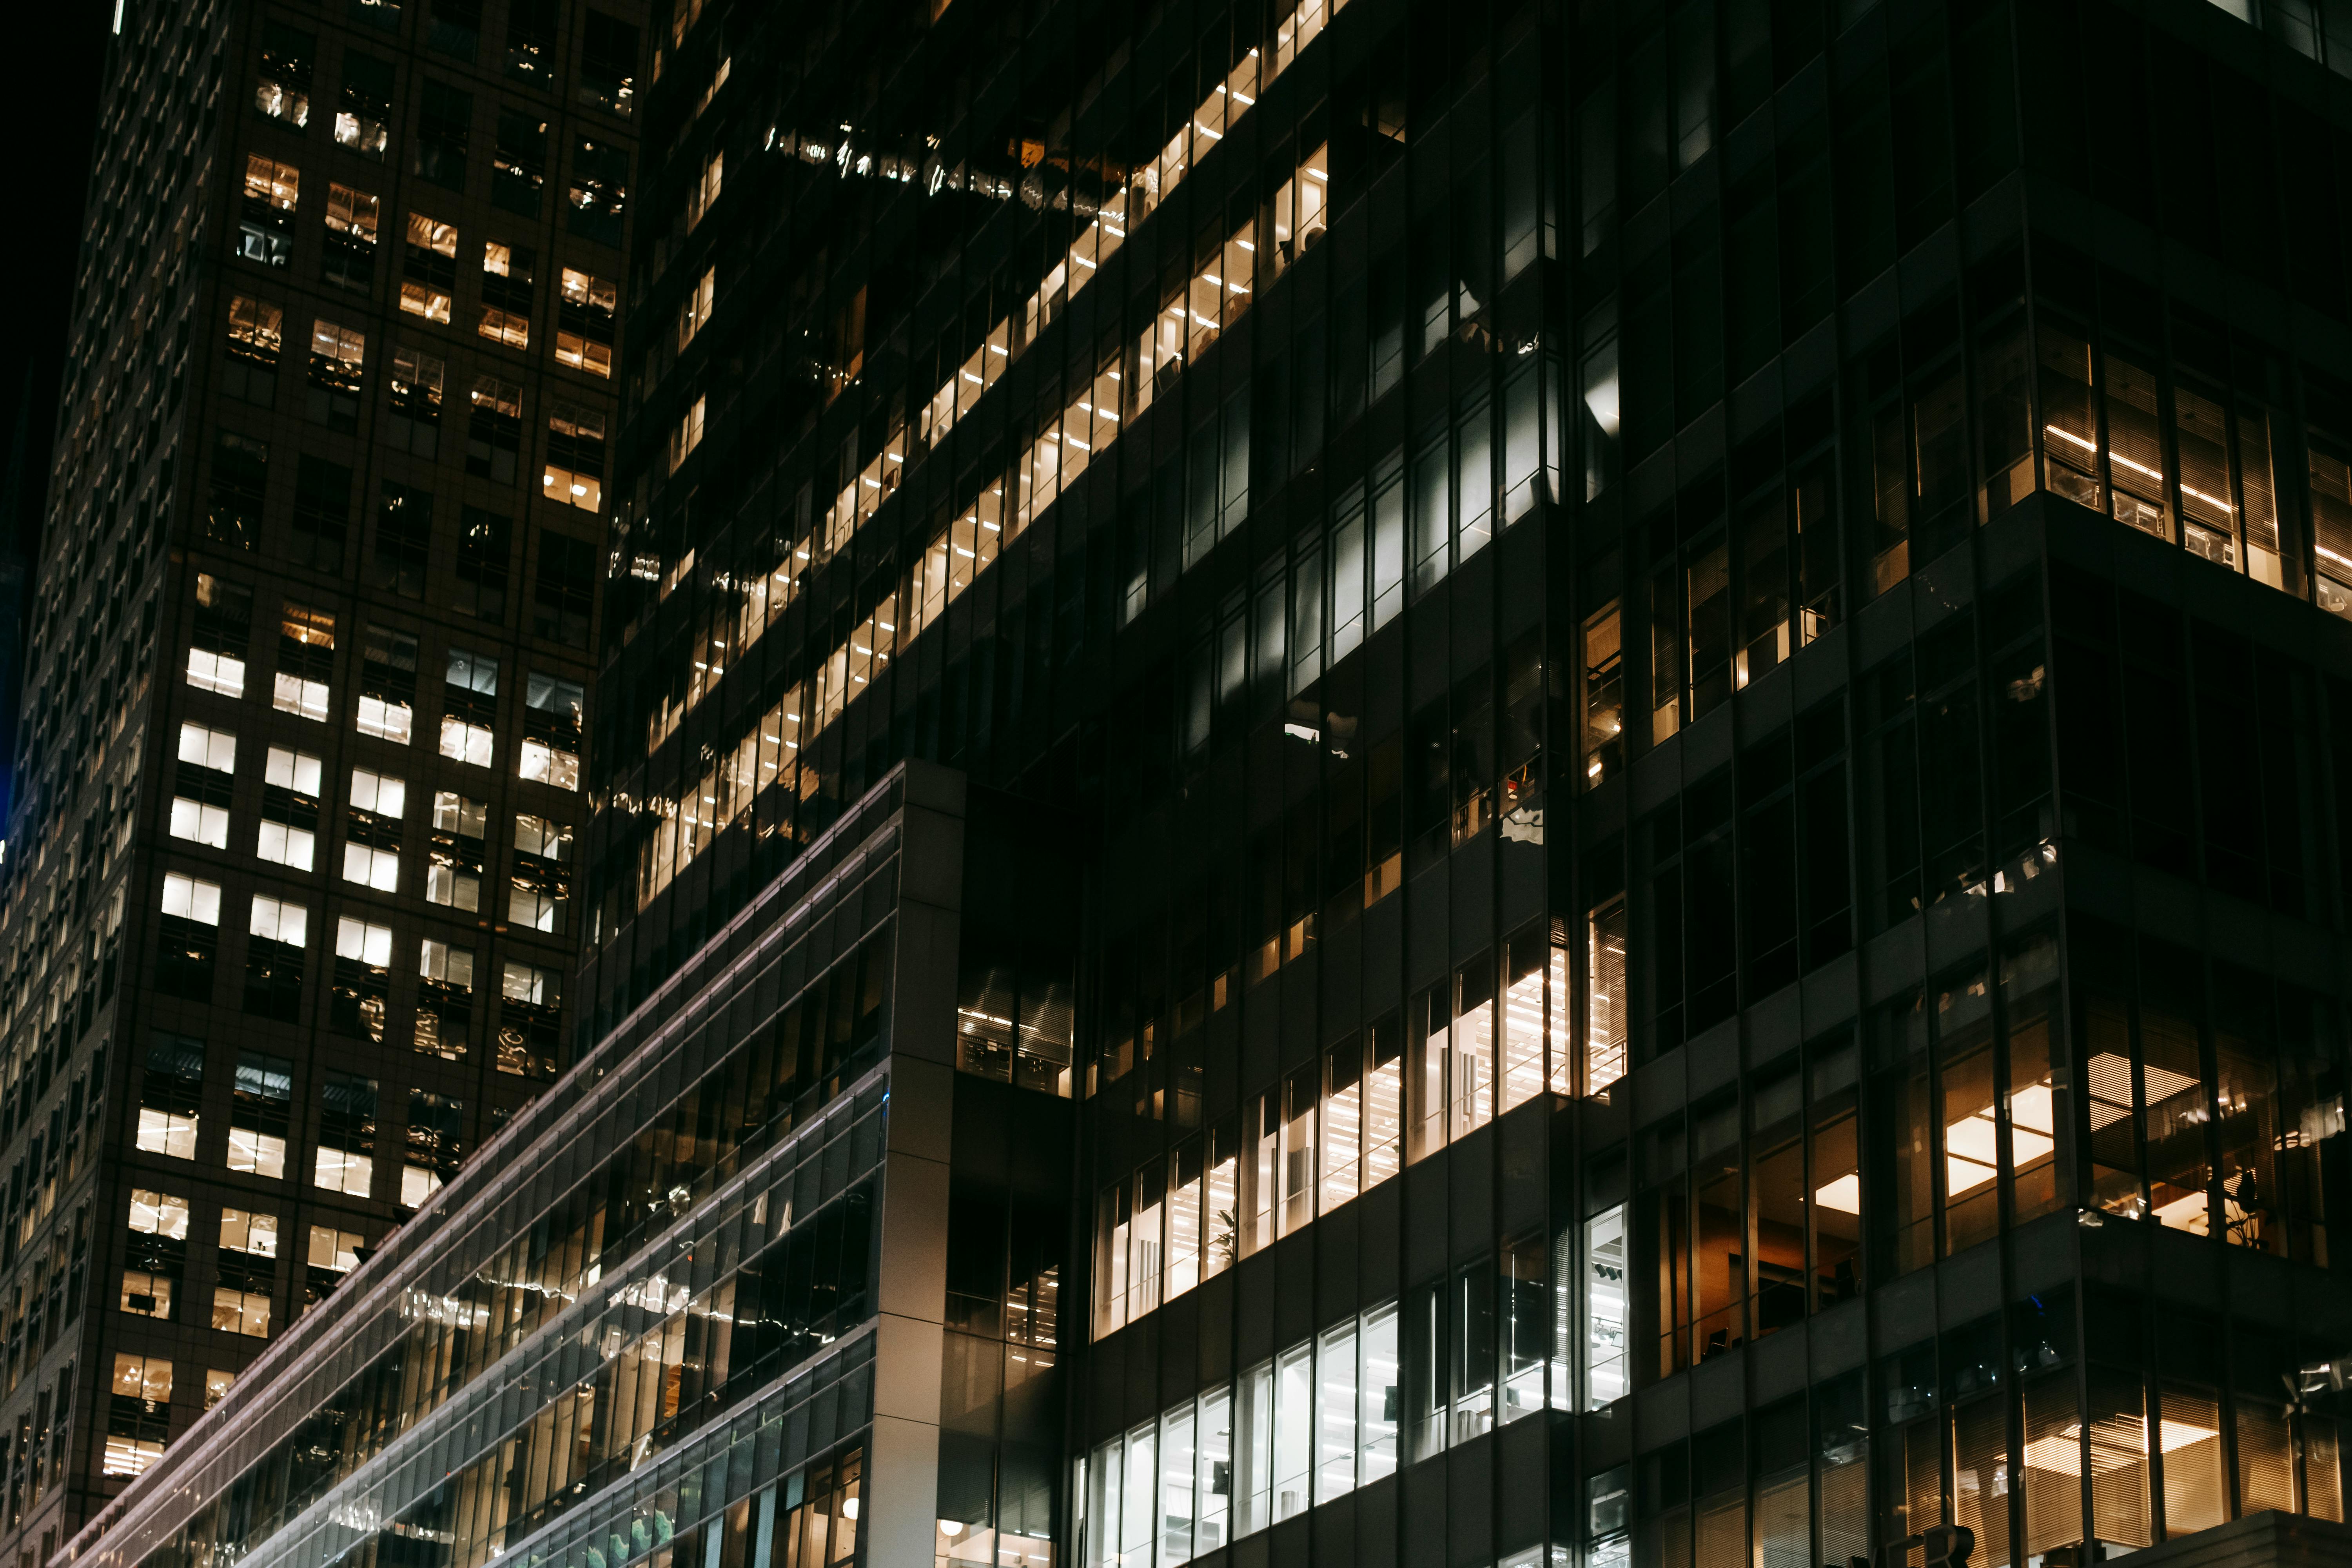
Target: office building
(1423, 786)
(288, 891)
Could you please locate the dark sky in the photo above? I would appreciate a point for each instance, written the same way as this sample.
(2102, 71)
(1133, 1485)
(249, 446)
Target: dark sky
(68, 39)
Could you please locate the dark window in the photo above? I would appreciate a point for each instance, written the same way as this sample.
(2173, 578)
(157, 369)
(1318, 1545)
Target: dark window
(240, 478)
(273, 978)
(484, 551)
(531, 40)
(404, 530)
(608, 63)
(456, 27)
(322, 513)
(443, 125)
(598, 194)
(519, 167)
(564, 590)
(187, 939)
(384, 13)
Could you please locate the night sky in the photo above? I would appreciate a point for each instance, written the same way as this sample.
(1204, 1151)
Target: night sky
(50, 127)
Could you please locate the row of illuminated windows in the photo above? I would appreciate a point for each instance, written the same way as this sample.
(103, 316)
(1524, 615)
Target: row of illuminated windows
(1384, 1098)
(1419, 520)
(539, 890)
(241, 1301)
(573, 474)
(385, 710)
(441, 143)
(585, 304)
(261, 1123)
(1402, 1381)
(1309, 1425)
(1250, 258)
(360, 982)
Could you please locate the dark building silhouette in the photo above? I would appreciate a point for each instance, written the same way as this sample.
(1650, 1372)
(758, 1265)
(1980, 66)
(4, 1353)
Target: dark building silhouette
(289, 887)
(1411, 784)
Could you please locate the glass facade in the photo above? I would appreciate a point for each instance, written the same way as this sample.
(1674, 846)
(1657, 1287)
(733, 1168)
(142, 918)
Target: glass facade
(1596, 761)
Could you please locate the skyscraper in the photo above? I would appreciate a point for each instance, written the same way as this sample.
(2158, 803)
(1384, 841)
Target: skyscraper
(1472, 785)
(289, 895)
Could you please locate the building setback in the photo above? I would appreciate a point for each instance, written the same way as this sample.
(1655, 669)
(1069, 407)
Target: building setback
(1538, 785)
(289, 886)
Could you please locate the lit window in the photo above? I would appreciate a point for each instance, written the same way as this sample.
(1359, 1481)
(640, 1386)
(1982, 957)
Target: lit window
(466, 742)
(346, 1153)
(243, 1231)
(551, 727)
(159, 1214)
(575, 456)
(241, 1311)
(216, 1381)
(169, 1094)
(361, 988)
(200, 800)
(275, 919)
(538, 836)
(687, 436)
(371, 846)
(146, 1294)
(584, 308)
(540, 890)
(362, 120)
(453, 874)
(352, 221)
(469, 707)
(289, 809)
(261, 1114)
(387, 686)
(417, 1184)
(693, 314)
(255, 334)
(265, 213)
(705, 194)
(530, 1020)
(138, 1413)
(283, 89)
(444, 999)
(305, 662)
(208, 748)
(190, 900)
(338, 354)
(224, 629)
(429, 269)
(507, 274)
(336, 1251)
(371, 944)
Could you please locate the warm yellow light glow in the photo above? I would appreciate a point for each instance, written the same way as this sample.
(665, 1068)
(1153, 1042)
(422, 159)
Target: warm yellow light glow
(1844, 1195)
